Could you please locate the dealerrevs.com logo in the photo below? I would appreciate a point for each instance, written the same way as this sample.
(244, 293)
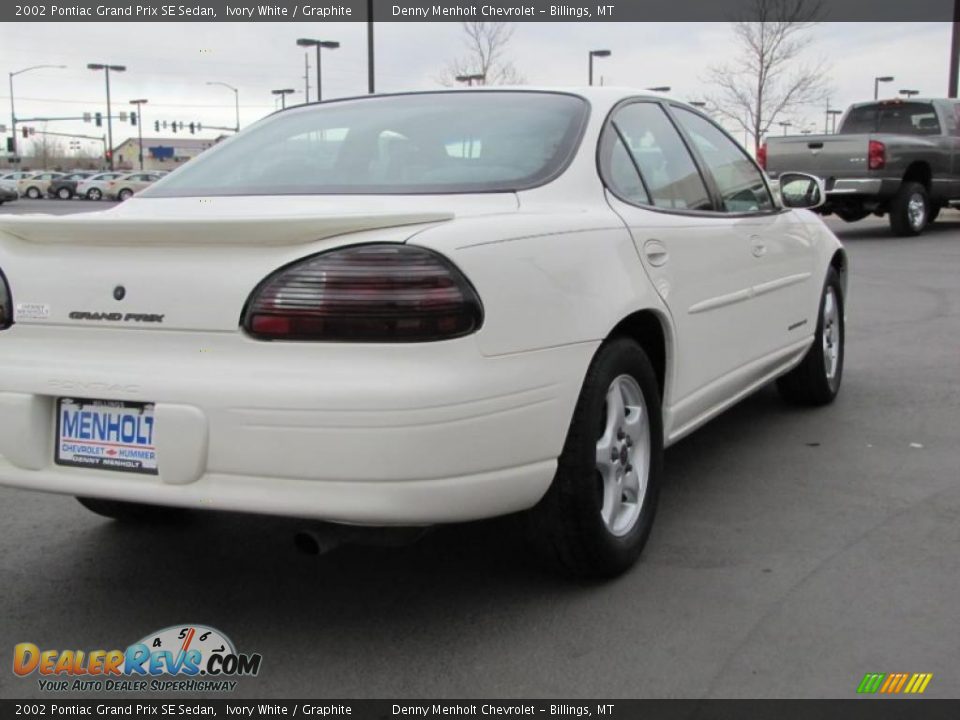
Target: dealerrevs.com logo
(185, 658)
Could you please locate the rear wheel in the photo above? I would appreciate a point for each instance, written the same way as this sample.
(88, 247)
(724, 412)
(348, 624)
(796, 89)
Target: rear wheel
(94, 194)
(597, 515)
(816, 380)
(910, 210)
(135, 513)
(124, 194)
(33, 193)
(64, 193)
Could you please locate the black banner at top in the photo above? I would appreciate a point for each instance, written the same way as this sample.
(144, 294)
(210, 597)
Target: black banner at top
(460, 10)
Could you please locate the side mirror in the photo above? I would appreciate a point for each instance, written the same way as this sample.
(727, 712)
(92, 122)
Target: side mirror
(799, 190)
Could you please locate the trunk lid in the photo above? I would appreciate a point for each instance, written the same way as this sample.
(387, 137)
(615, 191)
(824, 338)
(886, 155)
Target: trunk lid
(190, 264)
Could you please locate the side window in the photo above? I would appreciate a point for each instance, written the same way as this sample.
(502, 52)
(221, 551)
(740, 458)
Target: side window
(739, 181)
(623, 177)
(664, 161)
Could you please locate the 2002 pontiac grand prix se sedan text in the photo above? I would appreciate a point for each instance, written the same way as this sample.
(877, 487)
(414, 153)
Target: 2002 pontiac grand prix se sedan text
(417, 309)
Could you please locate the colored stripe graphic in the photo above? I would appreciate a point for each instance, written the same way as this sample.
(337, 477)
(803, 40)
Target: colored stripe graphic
(871, 682)
(894, 683)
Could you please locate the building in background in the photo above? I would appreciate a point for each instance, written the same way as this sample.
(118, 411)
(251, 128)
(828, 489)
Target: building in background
(159, 153)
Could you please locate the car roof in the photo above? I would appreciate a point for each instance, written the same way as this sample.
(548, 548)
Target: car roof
(600, 97)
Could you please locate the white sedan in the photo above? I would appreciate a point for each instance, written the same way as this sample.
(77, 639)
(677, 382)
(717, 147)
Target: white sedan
(416, 309)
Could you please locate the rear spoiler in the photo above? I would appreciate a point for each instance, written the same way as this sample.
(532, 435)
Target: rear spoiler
(99, 228)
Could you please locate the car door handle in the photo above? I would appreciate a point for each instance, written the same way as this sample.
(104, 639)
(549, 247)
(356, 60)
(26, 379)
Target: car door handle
(757, 246)
(656, 252)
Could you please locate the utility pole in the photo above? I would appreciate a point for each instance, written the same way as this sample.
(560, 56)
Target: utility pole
(955, 51)
(370, 74)
(140, 103)
(306, 76)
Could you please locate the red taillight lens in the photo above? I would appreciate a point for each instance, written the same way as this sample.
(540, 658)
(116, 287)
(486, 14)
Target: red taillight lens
(762, 156)
(6, 304)
(365, 293)
(876, 155)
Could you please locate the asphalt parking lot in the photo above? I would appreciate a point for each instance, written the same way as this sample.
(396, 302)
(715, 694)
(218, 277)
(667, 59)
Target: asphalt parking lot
(795, 551)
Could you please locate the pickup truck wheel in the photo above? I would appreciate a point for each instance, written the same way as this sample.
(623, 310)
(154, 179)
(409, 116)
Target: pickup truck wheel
(816, 380)
(910, 210)
(596, 517)
(135, 513)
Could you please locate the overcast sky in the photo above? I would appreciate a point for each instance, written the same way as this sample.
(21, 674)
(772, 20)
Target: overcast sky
(169, 63)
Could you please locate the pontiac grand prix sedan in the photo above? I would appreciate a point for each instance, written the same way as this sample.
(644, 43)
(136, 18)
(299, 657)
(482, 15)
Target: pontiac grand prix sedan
(417, 309)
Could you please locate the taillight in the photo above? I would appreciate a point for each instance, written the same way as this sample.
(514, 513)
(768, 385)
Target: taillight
(762, 156)
(6, 304)
(365, 293)
(876, 155)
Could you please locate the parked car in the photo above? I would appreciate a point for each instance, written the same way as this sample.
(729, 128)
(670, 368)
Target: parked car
(65, 187)
(35, 186)
(892, 157)
(9, 180)
(92, 188)
(7, 193)
(416, 309)
(125, 186)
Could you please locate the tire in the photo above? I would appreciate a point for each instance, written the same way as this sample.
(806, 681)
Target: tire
(135, 513)
(816, 380)
(33, 193)
(64, 193)
(94, 194)
(910, 210)
(585, 524)
(124, 194)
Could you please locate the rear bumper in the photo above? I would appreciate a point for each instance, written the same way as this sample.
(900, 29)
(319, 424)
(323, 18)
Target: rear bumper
(840, 189)
(407, 434)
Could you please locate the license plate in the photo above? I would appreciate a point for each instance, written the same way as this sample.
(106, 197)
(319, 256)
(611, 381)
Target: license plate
(106, 435)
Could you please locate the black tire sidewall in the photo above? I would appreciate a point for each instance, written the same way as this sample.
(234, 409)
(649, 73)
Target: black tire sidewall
(830, 390)
(577, 475)
(900, 216)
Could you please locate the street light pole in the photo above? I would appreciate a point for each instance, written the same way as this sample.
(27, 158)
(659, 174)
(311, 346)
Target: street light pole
(107, 68)
(469, 79)
(13, 113)
(139, 103)
(370, 75)
(909, 93)
(876, 84)
(319, 45)
(593, 54)
(283, 96)
(236, 98)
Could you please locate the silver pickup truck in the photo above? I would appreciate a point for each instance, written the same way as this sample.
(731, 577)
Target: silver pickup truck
(890, 157)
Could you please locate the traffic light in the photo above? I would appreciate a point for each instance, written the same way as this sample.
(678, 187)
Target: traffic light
(133, 119)
(192, 129)
(156, 126)
(10, 144)
(26, 132)
(173, 126)
(109, 155)
(98, 119)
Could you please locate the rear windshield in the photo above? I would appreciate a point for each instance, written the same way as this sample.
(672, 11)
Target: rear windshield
(424, 143)
(904, 118)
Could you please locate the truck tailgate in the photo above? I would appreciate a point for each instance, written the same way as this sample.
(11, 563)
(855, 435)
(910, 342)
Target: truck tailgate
(825, 156)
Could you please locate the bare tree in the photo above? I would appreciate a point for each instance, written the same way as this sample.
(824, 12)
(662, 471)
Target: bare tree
(486, 55)
(768, 79)
(47, 152)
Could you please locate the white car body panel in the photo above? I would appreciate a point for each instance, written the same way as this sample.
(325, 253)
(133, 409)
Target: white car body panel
(412, 433)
